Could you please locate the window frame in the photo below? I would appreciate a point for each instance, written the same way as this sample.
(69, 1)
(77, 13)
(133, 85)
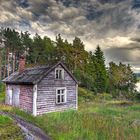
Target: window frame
(58, 73)
(65, 95)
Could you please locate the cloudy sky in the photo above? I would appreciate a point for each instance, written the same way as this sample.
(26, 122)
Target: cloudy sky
(114, 24)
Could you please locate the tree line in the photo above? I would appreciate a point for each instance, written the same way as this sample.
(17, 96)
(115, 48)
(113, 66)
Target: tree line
(88, 67)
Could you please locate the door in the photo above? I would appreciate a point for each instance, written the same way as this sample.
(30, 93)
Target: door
(15, 96)
(9, 96)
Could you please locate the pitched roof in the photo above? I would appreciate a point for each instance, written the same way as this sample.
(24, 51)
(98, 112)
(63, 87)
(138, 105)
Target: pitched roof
(33, 75)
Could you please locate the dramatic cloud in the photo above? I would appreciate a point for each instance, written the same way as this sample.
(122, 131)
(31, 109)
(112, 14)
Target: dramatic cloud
(114, 24)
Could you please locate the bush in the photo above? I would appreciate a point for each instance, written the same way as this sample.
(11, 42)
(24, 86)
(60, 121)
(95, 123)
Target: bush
(85, 80)
(2, 87)
(121, 103)
(2, 97)
(104, 96)
(85, 94)
(137, 96)
(2, 92)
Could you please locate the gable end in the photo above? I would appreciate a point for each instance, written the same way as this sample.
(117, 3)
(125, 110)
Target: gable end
(52, 68)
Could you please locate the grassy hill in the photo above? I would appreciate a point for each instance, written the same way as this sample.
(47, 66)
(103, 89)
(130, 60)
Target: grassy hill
(9, 130)
(98, 118)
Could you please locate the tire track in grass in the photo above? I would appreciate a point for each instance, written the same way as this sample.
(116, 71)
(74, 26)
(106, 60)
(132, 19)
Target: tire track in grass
(30, 131)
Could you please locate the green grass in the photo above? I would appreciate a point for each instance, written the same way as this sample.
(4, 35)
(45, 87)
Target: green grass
(96, 119)
(2, 97)
(9, 130)
(109, 120)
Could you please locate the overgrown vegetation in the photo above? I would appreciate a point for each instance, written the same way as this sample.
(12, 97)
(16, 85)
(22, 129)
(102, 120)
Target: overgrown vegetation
(88, 67)
(122, 80)
(85, 95)
(2, 92)
(99, 117)
(9, 130)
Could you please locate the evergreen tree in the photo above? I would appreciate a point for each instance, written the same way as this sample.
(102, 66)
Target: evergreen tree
(88, 67)
(12, 43)
(100, 71)
(27, 44)
(79, 54)
(60, 48)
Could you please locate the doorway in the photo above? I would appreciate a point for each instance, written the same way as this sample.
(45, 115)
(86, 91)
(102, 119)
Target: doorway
(15, 96)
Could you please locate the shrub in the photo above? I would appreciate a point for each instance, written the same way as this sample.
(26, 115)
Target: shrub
(85, 80)
(104, 96)
(2, 87)
(121, 103)
(2, 97)
(85, 95)
(2, 92)
(137, 96)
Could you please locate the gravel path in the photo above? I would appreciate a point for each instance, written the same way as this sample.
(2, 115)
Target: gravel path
(31, 131)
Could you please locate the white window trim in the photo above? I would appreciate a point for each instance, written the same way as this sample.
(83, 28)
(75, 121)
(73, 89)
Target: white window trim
(65, 95)
(62, 73)
(76, 96)
(34, 100)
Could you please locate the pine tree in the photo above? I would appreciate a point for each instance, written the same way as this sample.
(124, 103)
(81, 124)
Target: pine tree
(80, 56)
(100, 71)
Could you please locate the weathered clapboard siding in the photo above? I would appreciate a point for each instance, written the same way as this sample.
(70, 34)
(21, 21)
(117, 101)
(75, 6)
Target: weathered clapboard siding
(26, 97)
(46, 96)
(32, 91)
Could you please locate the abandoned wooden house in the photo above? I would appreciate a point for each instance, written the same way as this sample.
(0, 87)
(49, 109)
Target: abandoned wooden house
(40, 90)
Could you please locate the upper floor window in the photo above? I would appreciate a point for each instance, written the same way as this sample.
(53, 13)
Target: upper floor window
(59, 73)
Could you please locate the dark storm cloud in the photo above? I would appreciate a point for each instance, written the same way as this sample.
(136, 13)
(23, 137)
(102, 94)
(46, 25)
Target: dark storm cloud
(136, 39)
(105, 22)
(106, 17)
(103, 16)
(128, 54)
(110, 1)
(136, 4)
(23, 3)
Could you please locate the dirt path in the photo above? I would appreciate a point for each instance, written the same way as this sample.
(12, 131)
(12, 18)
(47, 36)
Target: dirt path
(31, 132)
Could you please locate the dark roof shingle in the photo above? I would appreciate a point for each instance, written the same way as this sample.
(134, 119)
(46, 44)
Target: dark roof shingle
(32, 75)
(28, 76)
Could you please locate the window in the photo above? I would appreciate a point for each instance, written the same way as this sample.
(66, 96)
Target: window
(61, 95)
(59, 73)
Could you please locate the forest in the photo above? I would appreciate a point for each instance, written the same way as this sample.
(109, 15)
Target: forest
(88, 67)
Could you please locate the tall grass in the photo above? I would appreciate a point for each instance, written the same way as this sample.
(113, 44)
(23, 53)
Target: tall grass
(94, 120)
(9, 130)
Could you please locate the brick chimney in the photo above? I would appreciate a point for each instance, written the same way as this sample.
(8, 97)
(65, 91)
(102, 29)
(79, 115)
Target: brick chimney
(21, 64)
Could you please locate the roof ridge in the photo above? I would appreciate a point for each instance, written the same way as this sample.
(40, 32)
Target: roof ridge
(33, 75)
(38, 67)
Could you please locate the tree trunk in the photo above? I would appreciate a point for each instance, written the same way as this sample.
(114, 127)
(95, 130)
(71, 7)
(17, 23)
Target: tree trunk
(8, 63)
(0, 65)
(13, 59)
(5, 63)
(4, 69)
